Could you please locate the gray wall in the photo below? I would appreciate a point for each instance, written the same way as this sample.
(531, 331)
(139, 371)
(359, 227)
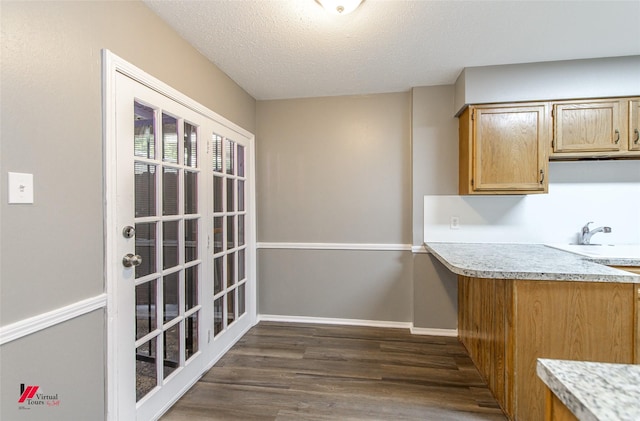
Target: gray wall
(335, 170)
(65, 360)
(52, 251)
(434, 172)
(591, 78)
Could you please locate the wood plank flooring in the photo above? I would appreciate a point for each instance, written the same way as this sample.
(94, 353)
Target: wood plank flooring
(291, 371)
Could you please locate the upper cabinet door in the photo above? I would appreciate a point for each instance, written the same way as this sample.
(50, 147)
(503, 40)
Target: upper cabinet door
(588, 126)
(508, 149)
(634, 124)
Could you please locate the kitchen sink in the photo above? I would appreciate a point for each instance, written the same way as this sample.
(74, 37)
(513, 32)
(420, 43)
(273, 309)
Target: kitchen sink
(603, 251)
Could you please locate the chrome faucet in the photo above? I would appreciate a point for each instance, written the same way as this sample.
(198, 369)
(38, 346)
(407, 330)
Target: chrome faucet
(585, 236)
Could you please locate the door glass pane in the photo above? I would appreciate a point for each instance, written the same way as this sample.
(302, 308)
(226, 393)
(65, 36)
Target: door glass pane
(169, 191)
(169, 139)
(230, 228)
(217, 194)
(191, 335)
(190, 287)
(171, 350)
(190, 240)
(169, 244)
(230, 195)
(231, 307)
(241, 230)
(217, 275)
(145, 308)
(217, 153)
(231, 273)
(229, 156)
(146, 248)
(242, 308)
(145, 189)
(241, 160)
(240, 195)
(217, 316)
(241, 269)
(190, 192)
(190, 145)
(170, 296)
(218, 232)
(146, 375)
(144, 138)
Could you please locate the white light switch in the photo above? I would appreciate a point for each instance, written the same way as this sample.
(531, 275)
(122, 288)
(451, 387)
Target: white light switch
(20, 188)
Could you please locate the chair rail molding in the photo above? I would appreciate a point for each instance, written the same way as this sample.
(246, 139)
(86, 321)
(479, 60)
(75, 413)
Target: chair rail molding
(51, 318)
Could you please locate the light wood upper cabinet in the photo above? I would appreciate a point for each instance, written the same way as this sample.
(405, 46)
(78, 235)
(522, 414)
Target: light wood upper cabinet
(598, 128)
(589, 126)
(503, 149)
(634, 124)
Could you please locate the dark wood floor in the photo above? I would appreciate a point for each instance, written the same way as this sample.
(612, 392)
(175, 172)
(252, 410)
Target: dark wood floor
(285, 371)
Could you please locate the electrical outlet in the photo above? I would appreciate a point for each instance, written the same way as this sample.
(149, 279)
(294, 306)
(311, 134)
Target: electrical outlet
(454, 223)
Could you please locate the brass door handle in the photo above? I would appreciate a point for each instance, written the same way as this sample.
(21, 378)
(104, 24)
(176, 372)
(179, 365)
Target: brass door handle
(617, 137)
(541, 176)
(637, 139)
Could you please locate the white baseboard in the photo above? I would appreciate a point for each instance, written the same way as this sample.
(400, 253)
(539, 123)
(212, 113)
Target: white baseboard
(42, 321)
(420, 249)
(335, 246)
(453, 333)
(332, 321)
(358, 322)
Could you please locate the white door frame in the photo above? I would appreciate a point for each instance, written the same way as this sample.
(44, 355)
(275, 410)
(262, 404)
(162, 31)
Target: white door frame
(111, 65)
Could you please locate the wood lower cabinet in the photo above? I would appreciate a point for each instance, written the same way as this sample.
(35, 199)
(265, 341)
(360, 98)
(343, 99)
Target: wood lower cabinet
(555, 410)
(506, 325)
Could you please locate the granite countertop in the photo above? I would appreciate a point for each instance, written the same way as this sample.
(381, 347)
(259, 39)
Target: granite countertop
(523, 261)
(594, 391)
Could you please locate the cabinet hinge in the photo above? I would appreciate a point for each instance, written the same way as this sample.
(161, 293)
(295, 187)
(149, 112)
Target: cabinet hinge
(472, 182)
(553, 112)
(473, 114)
(553, 143)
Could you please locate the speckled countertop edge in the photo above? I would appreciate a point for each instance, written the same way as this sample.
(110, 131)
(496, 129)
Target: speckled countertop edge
(594, 391)
(523, 261)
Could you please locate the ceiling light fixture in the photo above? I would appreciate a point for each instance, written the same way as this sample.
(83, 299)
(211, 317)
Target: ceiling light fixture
(340, 7)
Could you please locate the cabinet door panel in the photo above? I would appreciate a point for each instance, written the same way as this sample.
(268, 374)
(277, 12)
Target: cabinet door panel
(587, 127)
(634, 125)
(509, 148)
(567, 320)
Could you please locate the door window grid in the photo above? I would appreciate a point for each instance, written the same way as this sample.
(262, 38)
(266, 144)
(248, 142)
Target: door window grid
(229, 181)
(176, 339)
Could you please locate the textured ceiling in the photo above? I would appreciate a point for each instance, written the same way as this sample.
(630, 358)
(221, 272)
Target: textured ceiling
(293, 48)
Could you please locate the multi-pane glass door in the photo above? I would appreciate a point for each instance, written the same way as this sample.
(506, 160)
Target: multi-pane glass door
(229, 228)
(167, 308)
(183, 245)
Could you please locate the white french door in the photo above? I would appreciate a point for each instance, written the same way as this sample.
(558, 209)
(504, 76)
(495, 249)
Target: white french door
(182, 252)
